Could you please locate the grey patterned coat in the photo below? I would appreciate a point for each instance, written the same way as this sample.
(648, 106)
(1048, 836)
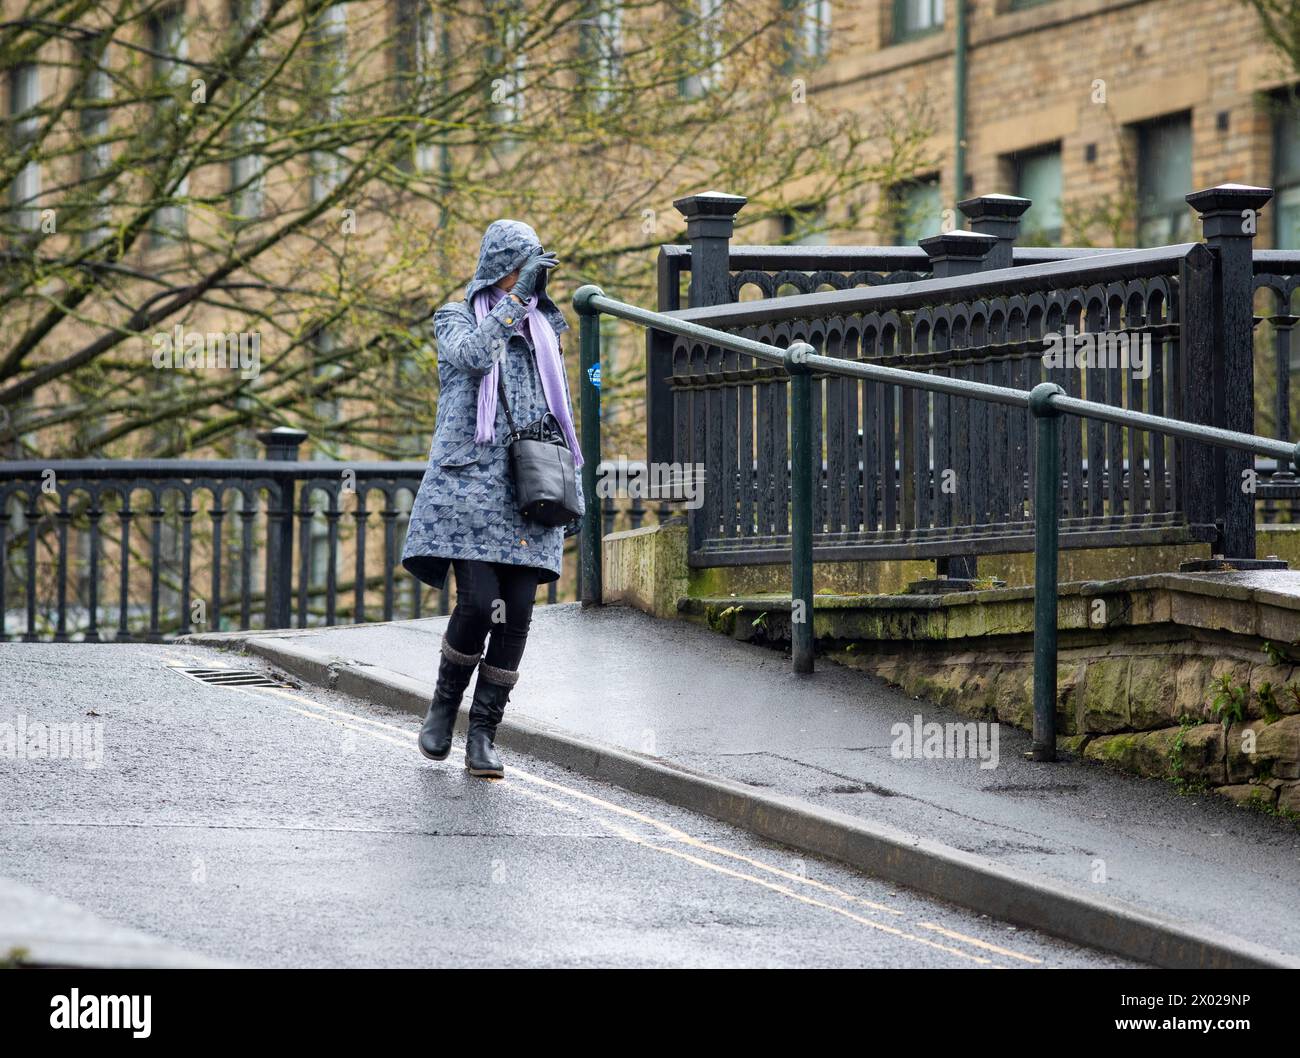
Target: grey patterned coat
(465, 507)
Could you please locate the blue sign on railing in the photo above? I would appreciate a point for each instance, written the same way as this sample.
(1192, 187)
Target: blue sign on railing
(593, 373)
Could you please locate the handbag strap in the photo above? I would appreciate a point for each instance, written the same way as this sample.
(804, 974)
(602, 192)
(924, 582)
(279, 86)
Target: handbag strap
(510, 421)
(501, 389)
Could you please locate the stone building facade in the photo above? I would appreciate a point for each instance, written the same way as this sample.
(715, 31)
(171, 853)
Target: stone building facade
(1106, 112)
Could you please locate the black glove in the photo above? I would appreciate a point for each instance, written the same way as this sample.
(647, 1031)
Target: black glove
(530, 273)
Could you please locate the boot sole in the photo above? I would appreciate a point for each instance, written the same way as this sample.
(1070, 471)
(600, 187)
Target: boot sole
(487, 773)
(430, 756)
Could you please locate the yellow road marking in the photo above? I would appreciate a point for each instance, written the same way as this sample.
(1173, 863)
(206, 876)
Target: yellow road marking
(354, 727)
(406, 737)
(828, 907)
(783, 890)
(953, 934)
(667, 828)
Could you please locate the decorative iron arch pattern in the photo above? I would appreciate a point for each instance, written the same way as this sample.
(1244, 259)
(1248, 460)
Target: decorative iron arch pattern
(908, 473)
(154, 512)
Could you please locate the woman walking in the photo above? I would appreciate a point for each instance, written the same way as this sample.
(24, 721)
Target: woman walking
(465, 514)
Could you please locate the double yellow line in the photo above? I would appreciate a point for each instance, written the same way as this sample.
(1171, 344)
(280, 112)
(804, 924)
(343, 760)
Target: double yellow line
(668, 840)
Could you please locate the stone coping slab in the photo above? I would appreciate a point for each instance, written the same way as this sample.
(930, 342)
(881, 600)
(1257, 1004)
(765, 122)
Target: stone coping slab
(1259, 603)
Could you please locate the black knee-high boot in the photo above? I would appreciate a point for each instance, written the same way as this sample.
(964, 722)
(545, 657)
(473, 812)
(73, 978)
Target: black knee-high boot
(454, 672)
(490, 693)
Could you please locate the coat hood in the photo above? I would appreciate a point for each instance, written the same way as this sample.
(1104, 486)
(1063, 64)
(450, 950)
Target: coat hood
(506, 245)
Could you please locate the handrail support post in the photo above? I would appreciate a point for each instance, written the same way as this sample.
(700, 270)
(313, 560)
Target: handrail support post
(803, 451)
(589, 559)
(1047, 492)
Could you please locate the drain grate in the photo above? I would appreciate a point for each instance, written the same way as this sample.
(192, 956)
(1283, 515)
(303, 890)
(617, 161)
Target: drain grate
(232, 677)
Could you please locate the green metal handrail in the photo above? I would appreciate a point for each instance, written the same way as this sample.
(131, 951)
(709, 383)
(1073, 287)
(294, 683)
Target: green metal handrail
(1047, 402)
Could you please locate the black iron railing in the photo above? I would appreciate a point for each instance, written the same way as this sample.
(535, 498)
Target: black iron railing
(147, 549)
(917, 473)
(167, 547)
(1047, 403)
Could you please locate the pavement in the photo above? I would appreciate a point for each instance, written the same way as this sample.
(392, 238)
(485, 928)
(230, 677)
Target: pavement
(672, 709)
(294, 826)
(39, 929)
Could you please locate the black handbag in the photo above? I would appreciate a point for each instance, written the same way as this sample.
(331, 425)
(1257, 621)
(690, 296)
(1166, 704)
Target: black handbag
(546, 481)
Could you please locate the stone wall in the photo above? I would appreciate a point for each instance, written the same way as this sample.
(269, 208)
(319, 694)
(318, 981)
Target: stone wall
(1017, 567)
(646, 567)
(1149, 708)
(1078, 74)
(1192, 678)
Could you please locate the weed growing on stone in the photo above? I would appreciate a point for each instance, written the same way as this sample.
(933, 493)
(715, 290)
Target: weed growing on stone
(1268, 702)
(1180, 782)
(1229, 700)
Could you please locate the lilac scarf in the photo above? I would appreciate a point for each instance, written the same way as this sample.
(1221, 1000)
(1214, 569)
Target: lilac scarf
(550, 367)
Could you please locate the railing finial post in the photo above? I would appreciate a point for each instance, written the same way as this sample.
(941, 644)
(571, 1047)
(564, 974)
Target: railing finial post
(958, 253)
(999, 216)
(282, 443)
(710, 222)
(1229, 219)
(281, 446)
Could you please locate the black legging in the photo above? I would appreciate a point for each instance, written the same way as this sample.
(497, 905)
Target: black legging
(495, 598)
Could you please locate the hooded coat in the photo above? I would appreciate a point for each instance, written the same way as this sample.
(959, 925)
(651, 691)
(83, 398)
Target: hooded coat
(465, 507)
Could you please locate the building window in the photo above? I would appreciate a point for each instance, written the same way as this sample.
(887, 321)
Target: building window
(408, 376)
(24, 98)
(611, 331)
(918, 210)
(329, 49)
(246, 171)
(426, 74)
(1164, 180)
(604, 42)
(811, 36)
(327, 411)
(324, 349)
(1038, 178)
(509, 64)
(96, 154)
(915, 18)
(418, 83)
(170, 49)
(15, 442)
(247, 166)
(804, 226)
(1286, 175)
(705, 62)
